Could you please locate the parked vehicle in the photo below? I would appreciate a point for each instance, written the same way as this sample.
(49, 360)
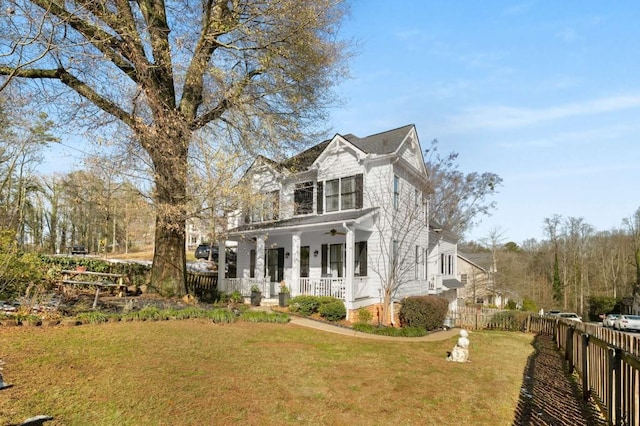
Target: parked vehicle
(79, 249)
(553, 312)
(570, 316)
(610, 320)
(627, 323)
(202, 252)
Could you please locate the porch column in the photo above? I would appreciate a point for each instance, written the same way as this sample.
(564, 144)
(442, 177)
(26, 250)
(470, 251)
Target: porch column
(222, 261)
(259, 271)
(348, 283)
(294, 285)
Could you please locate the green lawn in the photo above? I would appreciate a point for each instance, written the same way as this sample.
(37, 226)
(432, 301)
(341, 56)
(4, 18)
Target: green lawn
(193, 372)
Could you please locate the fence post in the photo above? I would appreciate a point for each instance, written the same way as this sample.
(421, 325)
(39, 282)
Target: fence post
(586, 388)
(618, 379)
(568, 353)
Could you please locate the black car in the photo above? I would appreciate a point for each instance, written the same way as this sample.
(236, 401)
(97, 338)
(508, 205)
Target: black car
(202, 252)
(79, 249)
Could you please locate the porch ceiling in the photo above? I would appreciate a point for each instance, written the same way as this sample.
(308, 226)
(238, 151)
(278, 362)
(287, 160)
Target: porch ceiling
(360, 217)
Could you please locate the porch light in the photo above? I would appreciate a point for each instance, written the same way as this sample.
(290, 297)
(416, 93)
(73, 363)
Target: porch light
(286, 255)
(315, 253)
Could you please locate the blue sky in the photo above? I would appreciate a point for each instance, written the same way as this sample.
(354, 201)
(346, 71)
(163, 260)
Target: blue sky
(544, 93)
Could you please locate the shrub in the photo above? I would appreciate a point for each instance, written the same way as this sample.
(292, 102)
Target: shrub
(333, 310)
(364, 316)
(601, 305)
(221, 316)
(423, 311)
(92, 317)
(261, 316)
(235, 297)
(308, 305)
(511, 305)
(17, 268)
(529, 305)
(304, 305)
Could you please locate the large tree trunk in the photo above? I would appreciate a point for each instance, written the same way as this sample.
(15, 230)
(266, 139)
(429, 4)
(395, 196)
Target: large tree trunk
(168, 274)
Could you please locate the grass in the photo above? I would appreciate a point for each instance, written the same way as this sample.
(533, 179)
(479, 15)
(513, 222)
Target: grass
(195, 372)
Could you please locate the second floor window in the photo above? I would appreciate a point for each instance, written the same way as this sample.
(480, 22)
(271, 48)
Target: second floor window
(343, 194)
(303, 198)
(396, 192)
(446, 264)
(267, 208)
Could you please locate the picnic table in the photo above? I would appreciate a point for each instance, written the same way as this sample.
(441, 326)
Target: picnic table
(99, 280)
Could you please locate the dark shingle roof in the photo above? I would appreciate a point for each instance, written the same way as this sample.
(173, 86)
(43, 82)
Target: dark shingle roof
(381, 143)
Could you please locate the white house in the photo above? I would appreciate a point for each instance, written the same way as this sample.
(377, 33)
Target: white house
(443, 265)
(345, 218)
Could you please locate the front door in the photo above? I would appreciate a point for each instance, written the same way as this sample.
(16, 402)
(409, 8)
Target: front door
(275, 264)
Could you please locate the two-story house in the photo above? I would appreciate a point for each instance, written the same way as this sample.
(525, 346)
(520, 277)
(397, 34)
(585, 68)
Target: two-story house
(477, 272)
(346, 218)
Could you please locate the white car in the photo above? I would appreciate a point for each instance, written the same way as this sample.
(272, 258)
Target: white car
(627, 322)
(570, 316)
(609, 320)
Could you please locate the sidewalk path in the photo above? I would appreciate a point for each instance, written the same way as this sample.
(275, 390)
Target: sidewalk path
(318, 325)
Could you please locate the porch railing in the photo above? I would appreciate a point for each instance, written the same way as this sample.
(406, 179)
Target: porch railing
(322, 287)
(243, 285)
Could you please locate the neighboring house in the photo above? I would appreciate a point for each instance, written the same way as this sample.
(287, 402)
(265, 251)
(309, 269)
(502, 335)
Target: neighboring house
(345, 218)
(477, 272)
(443, 265)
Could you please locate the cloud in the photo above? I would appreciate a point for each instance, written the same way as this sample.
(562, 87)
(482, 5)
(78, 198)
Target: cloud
(502, 117)
(518, 9)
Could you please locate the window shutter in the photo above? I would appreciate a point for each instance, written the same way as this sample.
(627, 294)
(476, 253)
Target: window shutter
(359, 190)
(325, 259)
(276, 205)
(320, 198)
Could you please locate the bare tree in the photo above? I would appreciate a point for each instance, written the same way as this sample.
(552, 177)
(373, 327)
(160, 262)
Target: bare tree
(165, 70)
(401, 232)
(633, 226)
(459, 200)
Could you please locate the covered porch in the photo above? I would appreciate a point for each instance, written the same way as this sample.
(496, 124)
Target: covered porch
(320, 255)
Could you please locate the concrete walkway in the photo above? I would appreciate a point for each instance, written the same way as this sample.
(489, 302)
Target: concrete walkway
(329, 328)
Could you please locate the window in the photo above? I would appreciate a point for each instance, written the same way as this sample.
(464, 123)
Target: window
(463, 279)
(334, 257)
(348, 193)
(303, 198)
(394, 253)
(267, 209)
(446, 264)
(360, 261)
(341, 194)
(333, 260)
(332, 197)
(418, 260)
(396, 191)
(416, 198)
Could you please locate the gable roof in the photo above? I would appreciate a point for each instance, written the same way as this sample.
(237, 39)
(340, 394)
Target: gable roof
(481, 260)
(381, 143)
(386, 142)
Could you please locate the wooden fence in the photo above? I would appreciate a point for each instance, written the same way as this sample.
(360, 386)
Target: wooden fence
(203, 285)
(606, 361)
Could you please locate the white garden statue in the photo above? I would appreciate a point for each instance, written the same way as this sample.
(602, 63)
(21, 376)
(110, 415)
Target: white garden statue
(460, 352)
